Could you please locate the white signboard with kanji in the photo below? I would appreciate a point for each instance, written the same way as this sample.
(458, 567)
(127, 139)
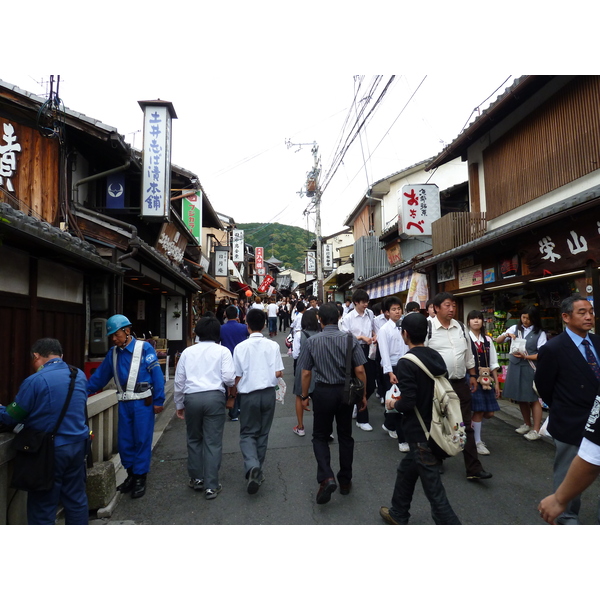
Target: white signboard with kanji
(418, 208)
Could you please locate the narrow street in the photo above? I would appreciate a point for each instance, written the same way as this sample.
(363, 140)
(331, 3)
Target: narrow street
(522, 475)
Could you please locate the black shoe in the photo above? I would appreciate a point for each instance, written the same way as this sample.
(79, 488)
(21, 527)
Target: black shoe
(384, 512)
(345, 488)
(255, 478)
(139, 486)
(480, 475)
(327, 487)
(127, 485)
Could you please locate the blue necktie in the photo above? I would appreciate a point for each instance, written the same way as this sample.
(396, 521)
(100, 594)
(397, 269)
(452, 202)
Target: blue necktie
(589, 355)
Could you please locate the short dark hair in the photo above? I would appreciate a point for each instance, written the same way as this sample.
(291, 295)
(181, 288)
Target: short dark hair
(412, 307)
(376, 308)
(329, 314)
(441, 297)
(300, 306)
(428, 303)
(360, 296)
(311, 298)
(566, 306)
(208, 329)
(310, 321)
(534, 317)
(392, 301)
(255, 319)
(415, 325)
(231, 312)
(47, 347)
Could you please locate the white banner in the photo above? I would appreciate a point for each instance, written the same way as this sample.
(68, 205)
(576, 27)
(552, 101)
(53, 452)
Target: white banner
(418, 207)
(221, 261)
(311, 263)
(328, 257)
(237, 237)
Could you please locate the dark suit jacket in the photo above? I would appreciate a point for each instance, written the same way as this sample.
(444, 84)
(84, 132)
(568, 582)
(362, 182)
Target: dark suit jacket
(567, 384)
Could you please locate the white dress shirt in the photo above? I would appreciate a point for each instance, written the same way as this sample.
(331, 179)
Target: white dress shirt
(256, 360)
(526, 331)
(358, 324)
(391, 346)
(452, 344)
(272, 310)
(379, 321)
(203, 367)
(493, 354)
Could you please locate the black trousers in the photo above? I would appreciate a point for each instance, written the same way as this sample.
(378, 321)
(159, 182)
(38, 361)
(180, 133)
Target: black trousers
(327, 406)
(371, 373)
(392, 420)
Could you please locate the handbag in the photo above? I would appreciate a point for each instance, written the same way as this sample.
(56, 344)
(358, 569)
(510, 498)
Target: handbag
(354, 388)
(33, 465)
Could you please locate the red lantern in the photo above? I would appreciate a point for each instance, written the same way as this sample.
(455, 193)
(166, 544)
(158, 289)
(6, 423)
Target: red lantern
(248, 293)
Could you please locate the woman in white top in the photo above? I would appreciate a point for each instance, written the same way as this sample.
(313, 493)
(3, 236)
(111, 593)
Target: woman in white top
(521, 369)
(483, 402)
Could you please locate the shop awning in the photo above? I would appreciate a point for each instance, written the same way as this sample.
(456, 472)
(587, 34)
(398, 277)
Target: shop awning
(388, 286)
(333, 279)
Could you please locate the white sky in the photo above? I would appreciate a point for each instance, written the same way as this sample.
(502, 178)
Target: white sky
(245, 77)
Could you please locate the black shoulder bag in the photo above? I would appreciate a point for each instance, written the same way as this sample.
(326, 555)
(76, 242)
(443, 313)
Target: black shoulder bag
(354, 388)
(33, 465)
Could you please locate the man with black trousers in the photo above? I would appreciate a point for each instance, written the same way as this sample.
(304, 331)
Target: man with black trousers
(421, 461)
(323, 356)
(567, 378)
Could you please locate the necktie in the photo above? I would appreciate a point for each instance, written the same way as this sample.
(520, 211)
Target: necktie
(589, 355)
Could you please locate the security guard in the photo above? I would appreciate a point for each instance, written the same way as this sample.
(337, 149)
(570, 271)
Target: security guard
(38, 405)
(141, 391)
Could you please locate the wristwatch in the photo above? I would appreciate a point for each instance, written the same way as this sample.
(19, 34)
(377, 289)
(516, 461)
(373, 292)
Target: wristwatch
(304, 397)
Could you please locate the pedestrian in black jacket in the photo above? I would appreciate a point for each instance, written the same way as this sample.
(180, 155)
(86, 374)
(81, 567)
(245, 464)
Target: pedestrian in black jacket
(421, 462)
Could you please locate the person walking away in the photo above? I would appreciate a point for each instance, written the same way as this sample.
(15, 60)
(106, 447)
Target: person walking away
(272, 316)
(204, 387)
(38, 405)
(323, 356)
(140, 385)
(359, 322)
(484, 403)
(258, 364)
(421, 462)
(567, 379)
(392, 347)
(232, 333)
(446, 335)
(310, 327)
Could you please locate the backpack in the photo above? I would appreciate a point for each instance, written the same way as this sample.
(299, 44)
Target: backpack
(447, 427)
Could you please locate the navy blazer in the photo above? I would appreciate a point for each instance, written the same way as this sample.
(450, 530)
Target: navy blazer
(567, 384)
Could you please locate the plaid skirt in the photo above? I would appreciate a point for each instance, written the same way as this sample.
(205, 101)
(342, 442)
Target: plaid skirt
(484, 400)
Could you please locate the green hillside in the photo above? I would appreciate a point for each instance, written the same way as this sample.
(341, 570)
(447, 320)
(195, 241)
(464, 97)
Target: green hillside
(284, 242)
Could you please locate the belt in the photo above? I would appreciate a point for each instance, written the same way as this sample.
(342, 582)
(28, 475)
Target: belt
(330, 384)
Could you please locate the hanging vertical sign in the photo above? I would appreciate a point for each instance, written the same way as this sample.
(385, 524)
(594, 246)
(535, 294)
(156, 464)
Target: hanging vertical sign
(418, 207)
(156, 163)
(221, 262)
(115, 190)
(311, 263)
(237, 236)
(191, 208)
(328, 257)
(259, 261)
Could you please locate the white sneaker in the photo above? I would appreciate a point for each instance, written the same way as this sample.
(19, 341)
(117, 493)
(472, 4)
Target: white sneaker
(523, 429)
(532, 435)
(390, 432)
(403, 447)
(355, 412)
(482, 448)
(364, 426)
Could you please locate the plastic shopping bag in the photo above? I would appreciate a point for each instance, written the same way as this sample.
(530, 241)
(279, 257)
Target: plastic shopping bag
(280, 390)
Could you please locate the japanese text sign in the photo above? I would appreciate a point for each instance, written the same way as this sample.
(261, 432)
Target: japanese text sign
(418, 207)
(328, 257)
(259, 262)
(221, 263)
(191, 208)
(266, 282)
(237, 237)
(156, 168)
(8, 158)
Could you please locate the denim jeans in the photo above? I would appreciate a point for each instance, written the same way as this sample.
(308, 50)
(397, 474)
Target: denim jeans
(421, 463)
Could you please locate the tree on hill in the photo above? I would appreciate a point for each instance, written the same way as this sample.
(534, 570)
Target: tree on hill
(285, 242)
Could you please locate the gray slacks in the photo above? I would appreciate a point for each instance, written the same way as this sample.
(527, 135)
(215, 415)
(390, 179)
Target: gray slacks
(256, 416)
(205, 421)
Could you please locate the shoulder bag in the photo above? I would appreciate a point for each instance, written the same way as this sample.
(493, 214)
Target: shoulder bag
(354, 388)
(33, 465)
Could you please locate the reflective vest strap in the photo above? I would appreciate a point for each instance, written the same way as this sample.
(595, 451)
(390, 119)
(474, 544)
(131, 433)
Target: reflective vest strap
(133, 374)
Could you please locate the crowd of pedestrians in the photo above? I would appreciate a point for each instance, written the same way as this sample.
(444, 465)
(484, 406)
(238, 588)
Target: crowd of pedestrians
(233, 370)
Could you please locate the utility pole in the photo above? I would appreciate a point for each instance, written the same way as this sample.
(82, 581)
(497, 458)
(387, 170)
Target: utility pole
(313, 191)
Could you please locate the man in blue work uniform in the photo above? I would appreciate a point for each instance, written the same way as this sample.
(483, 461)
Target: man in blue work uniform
(141, 392)
(38, 405)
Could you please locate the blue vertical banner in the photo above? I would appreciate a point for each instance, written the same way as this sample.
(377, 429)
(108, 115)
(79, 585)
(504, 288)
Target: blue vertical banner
(115, 191)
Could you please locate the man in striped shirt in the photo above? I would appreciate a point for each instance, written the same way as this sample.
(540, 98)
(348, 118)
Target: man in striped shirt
(323, 356)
